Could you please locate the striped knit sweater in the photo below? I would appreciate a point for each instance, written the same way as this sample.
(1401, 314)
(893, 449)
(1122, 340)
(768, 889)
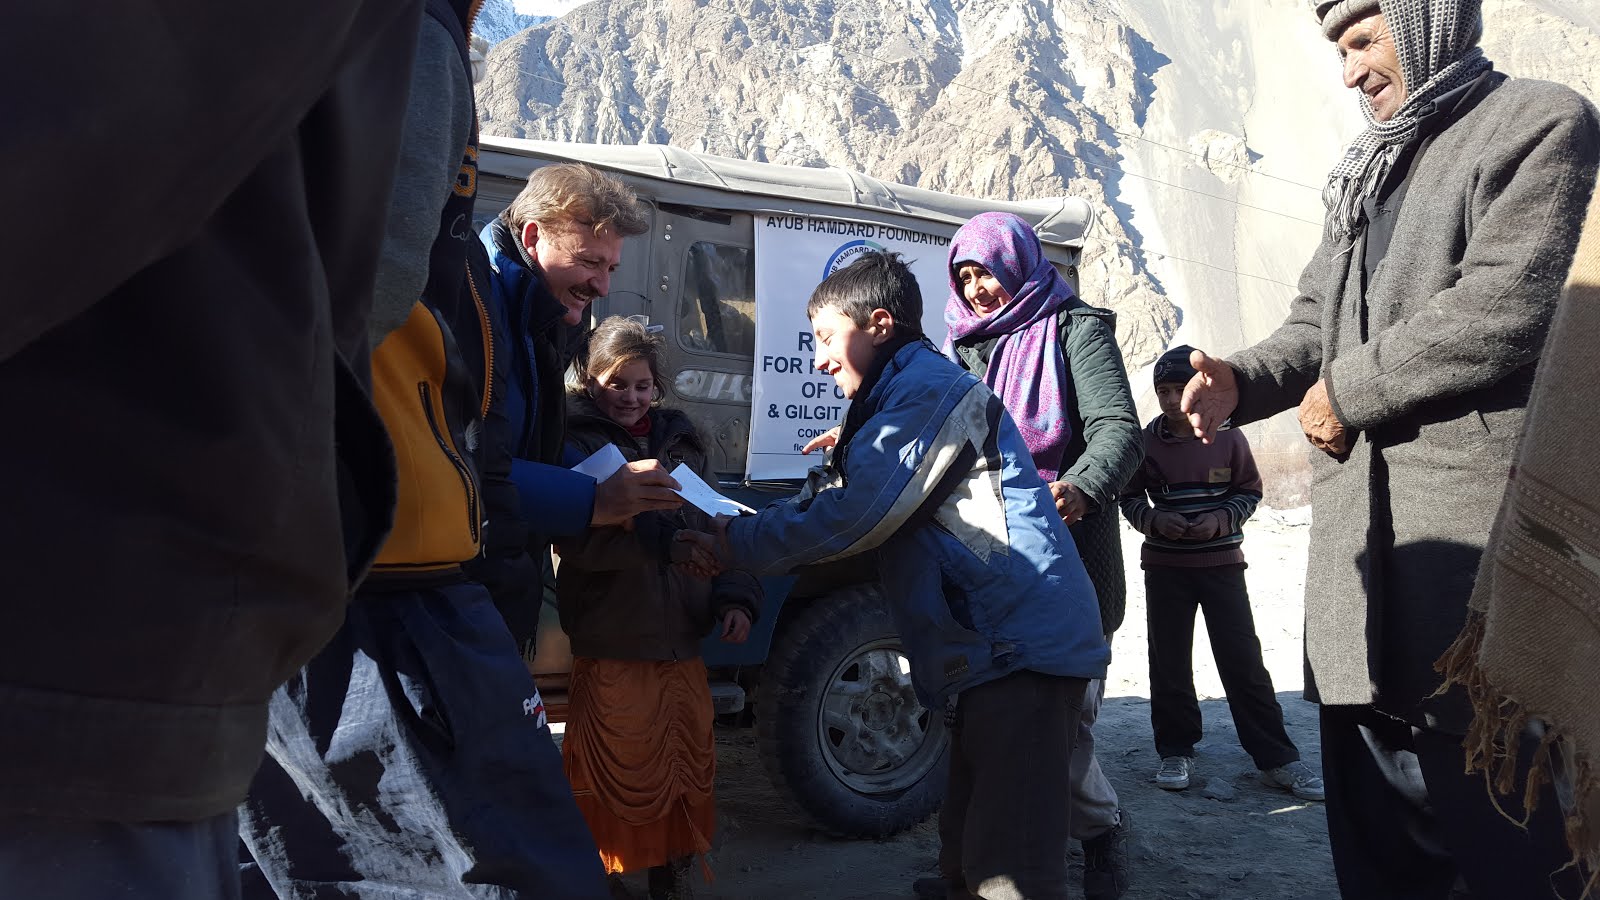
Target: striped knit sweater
(1185, 476)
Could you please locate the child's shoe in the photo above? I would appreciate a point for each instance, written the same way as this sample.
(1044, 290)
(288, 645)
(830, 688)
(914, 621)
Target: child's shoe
(1174, 772)
(1296, 778)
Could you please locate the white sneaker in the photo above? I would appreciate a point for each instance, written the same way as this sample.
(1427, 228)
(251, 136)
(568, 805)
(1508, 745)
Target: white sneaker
(1296, 778)
(1174, 772)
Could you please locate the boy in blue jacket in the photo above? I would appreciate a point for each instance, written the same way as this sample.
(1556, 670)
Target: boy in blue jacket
(986, 589)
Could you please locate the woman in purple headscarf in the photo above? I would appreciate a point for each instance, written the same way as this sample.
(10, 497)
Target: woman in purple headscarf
(1054, 362)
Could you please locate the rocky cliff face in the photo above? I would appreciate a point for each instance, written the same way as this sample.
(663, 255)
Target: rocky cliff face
(1201, 132)
(955, 96)
(499, 19)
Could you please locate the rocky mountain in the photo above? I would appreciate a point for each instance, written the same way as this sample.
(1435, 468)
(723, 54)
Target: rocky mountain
(1201, 131)
(499, 19)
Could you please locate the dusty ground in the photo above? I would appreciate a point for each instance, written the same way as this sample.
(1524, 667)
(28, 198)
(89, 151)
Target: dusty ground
(1262, 844)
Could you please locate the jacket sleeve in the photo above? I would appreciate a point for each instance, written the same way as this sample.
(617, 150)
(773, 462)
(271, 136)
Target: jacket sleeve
(1105, 406)
(555, 502)
(1135, 504)
(1275, 373)
(1245, 492)
(437, 126)
(896, 462)
(158, 95)
(1533, 182)
(611, 548)
(737, 589)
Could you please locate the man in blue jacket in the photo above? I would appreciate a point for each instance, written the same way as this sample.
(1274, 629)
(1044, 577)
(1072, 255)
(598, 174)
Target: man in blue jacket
(553, 251)
(987, 591)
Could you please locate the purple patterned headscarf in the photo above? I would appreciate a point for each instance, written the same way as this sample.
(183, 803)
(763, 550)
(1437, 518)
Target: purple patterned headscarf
(1026, 369)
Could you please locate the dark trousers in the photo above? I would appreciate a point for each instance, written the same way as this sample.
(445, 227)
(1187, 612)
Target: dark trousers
(63, 859)
(1171, 597)
(1406, 823)
(1007, 816)
(411, 758)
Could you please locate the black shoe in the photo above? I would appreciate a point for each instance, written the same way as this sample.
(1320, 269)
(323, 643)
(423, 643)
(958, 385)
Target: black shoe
(1105, 861)
(935, 887)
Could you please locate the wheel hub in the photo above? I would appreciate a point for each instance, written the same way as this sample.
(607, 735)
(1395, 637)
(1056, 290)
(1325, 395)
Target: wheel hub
(878, 713)
(875, 735)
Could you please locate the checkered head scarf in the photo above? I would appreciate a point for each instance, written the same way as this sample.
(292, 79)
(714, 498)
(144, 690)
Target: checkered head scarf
(1437, 43)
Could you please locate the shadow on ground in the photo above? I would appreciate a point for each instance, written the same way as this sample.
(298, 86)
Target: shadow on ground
(1261, 844)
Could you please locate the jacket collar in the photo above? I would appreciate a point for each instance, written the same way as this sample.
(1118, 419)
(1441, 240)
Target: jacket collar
(532, 304)
(1438, 114)
(891, 358)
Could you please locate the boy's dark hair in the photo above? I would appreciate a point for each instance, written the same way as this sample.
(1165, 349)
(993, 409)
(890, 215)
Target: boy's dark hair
(878, 280)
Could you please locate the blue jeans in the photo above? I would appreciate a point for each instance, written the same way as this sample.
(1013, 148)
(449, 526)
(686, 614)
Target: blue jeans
(411, 758)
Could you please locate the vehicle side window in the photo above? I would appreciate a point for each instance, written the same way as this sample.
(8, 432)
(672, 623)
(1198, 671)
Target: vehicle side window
(716, 312)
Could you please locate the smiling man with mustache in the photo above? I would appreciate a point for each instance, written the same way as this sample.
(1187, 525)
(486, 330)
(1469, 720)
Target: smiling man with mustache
(1410, 353)
(553, 251)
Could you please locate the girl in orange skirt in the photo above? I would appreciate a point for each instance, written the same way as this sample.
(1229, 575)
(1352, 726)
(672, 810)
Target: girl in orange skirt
(638, 745)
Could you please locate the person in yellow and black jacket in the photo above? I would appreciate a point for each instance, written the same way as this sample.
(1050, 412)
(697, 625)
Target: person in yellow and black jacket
(414, 749)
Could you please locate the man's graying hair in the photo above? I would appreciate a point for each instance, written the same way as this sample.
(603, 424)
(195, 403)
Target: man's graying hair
(575, 196)
(878, 280)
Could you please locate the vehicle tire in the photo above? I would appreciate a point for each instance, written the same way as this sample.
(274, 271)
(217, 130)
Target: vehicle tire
(838, 726)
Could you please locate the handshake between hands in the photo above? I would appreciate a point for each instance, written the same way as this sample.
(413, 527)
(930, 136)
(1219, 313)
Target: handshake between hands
(706, 555)
(702, 554)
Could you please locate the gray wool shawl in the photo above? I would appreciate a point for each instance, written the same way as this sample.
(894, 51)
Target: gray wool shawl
(1429, 367)
(1531, 649)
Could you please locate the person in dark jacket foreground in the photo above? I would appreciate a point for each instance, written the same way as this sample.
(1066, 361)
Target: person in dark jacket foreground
(412, 753)
(638, 747)
(1410, 353)
(205, 478)
(981, 578)
(553, 251)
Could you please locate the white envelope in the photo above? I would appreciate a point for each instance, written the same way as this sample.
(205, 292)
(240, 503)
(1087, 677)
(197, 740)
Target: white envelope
(602, 463)
(694, 489)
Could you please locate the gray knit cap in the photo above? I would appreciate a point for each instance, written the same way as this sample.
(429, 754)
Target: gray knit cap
(1336, 15)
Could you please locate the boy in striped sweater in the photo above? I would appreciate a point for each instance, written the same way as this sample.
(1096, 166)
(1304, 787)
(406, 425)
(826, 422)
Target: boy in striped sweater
(1190, 500)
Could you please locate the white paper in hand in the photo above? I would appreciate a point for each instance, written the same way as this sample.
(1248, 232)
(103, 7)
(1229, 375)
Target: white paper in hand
(602, 463)
(694, 489)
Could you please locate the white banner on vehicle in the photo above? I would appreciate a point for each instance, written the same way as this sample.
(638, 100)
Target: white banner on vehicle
(791, 401)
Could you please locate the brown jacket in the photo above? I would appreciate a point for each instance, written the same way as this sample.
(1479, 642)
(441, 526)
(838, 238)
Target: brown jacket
(620, 596)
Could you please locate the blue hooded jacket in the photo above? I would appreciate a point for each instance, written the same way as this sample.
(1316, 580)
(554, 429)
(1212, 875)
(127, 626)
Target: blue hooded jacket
(980, 575)
(554, 501)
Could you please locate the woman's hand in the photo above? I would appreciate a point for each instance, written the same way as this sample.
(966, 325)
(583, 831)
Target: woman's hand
(736, 626)
(1071, 503)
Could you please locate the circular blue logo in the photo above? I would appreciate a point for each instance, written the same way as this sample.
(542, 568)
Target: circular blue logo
(847, 253)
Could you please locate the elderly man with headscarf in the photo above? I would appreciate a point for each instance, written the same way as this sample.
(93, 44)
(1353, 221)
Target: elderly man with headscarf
(1410, 351)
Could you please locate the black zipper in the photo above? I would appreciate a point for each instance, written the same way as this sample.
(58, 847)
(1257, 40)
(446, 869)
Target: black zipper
(426, 392)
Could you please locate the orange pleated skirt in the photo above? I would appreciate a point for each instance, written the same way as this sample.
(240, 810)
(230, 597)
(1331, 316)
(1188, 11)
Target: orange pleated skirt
(640, 754)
